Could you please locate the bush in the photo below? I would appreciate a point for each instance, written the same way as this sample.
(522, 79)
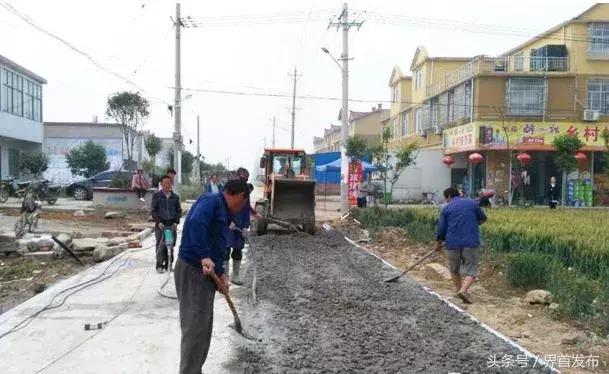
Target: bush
(577, 296)
(530, 270)
(120, 180)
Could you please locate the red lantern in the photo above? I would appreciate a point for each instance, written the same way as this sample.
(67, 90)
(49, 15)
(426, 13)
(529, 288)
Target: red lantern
(448, 160)
(581, 156)
(475, 158)
(524, 158)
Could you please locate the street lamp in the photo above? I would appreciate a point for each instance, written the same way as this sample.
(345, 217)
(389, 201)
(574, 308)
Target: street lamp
(344, 130)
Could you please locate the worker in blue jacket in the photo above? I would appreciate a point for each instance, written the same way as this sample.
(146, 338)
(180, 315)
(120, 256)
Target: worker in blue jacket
(235, 240)
(202, 251)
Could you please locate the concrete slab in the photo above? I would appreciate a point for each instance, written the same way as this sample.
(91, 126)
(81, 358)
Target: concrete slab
(142, 336)
(62, 205)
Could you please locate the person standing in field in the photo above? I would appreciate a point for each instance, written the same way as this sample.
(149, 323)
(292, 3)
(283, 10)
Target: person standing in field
(458, 228)
(553, 193)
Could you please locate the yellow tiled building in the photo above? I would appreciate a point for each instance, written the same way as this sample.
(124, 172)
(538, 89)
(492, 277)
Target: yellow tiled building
(554, 83)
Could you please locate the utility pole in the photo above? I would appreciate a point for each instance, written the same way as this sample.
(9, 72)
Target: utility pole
(295, 77)
(274, 126)
(177, 131)
(343, 22)
(198, 171)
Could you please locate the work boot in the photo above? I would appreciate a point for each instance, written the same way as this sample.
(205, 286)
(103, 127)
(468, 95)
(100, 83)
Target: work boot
(235, 278)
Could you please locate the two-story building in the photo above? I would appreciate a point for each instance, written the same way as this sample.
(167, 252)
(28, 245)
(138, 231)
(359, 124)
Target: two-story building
(330, 142)
(555, 83)
(20, 115)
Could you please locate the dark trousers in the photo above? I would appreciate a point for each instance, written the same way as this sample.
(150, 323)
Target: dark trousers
(361, 202)
(196, 298)
(236, 245)
(161, 249)
(141, 192)
(553, 204)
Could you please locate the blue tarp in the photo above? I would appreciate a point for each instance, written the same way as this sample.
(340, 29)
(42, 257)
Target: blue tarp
(326, 177)
(335, 166)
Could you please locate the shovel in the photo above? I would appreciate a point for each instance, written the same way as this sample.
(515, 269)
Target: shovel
(238, 327)
(411, 267)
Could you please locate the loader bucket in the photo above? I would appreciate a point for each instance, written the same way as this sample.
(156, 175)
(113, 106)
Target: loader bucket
(294, 201)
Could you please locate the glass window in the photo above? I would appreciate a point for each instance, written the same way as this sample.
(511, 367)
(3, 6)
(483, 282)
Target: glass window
(525, 96)
(598, 39)
(418, 78)
(450, 107)
(394, 128)
(434, 111)
(519, 61)
(14, 156)
(405, 129)
(418, 119)
(598, 95)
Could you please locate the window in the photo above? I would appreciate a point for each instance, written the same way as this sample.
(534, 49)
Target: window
(598, 39)
(418, 79)
(12, 93)
(598, 95)
(405, 129)
(525, 96)
(14, 157)
(394, 128)
(418, 120)
(467, 107)
(450, 107)
(394, 93)
(519, 61)
(434, 111)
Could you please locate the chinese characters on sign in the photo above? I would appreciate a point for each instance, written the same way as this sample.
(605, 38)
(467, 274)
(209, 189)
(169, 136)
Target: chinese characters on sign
(354, 177)
(460, 137)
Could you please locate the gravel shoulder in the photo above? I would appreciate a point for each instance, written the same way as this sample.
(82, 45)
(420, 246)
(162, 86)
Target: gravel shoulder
(323, 307)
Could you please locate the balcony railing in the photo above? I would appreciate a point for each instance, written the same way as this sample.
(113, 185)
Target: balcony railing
(508, 64)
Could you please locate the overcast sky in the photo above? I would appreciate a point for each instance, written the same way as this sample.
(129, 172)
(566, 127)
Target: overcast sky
(135, 38)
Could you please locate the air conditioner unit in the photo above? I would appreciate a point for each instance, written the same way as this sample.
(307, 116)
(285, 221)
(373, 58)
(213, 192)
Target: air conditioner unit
(437, 130)
(591, 115)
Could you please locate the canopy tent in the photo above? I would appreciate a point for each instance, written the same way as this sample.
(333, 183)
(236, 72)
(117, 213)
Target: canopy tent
(335, 166)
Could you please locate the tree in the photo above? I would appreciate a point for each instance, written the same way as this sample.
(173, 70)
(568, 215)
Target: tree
(34, 163)
(87, 160)
(381, 157)
(130, 111)
(153, 146)
(405, 157)
(564, 158)
(187, 161)
(357, 148)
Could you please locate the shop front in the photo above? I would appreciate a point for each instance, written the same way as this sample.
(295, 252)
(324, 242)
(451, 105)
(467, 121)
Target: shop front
(481, 153)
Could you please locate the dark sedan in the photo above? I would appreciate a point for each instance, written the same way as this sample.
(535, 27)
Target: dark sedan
(83, 189)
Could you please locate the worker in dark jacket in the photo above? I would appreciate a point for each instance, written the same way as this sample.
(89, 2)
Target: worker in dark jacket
(553, 193)
(166, 211)
(202, 252)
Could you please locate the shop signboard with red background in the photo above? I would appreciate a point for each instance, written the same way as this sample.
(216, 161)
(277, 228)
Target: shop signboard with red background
(354, 177)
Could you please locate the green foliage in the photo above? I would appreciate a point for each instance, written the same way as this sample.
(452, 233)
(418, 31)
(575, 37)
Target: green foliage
(190, 192)
(529, 270)
(87, 160)
(153, 146)
(34, 163)
(566, 146)
(405, 157)
(576, 295)
(120, 180)
(130, 110)
(148, 166)
(187, 161)
(357, 148)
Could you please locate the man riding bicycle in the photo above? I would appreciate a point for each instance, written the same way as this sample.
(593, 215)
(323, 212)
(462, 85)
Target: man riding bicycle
(166, 212)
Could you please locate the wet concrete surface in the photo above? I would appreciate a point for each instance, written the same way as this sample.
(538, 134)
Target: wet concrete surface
(322, 307)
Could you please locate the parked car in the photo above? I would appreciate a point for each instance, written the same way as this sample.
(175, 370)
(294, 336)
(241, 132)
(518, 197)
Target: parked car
(83, 189)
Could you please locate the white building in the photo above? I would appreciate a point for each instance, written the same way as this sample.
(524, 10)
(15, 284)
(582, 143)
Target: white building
(20, 115)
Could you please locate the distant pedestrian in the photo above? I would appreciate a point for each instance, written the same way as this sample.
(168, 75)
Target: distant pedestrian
(553, 193)
(362, 193)
(166, 211)
(202, 252)
(214, 185)
(458, 228)
(139, 183)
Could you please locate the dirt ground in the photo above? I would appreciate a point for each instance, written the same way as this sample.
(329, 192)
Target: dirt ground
(323, 308)
(500, 306)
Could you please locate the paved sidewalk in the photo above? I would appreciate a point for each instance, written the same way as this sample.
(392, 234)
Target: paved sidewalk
(62, 204)
(143, 334)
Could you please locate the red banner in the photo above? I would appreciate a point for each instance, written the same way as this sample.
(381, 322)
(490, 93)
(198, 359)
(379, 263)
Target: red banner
(354, 177)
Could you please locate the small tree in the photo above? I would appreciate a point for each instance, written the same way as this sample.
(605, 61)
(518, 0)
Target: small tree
(34, 163)
(357, 148)
(153, 146)
(187, 161)
(130, 111)
(381, 157)
(87, 160)
(405, 157)
(566, 147)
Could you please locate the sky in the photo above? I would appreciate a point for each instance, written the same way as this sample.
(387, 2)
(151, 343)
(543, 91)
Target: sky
(230, 52)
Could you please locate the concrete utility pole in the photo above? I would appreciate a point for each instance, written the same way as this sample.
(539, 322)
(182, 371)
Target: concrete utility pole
(343, 22)
(295, 77)
(274, 126)
(177, 131)
(198, 171)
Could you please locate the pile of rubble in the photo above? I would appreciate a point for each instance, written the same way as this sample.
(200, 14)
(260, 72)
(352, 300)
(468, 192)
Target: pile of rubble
(43, 245)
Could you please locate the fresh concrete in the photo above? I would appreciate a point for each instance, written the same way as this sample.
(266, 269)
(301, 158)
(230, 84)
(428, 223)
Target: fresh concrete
(143, 338)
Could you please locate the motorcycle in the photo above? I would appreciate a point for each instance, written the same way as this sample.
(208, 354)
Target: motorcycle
(6, 189)
(42, 190)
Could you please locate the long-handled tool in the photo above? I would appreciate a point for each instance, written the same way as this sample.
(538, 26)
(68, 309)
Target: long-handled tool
(411, 267)
(238, 326)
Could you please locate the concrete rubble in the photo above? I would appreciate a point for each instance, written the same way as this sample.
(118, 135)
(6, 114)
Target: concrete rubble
(538, 297)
